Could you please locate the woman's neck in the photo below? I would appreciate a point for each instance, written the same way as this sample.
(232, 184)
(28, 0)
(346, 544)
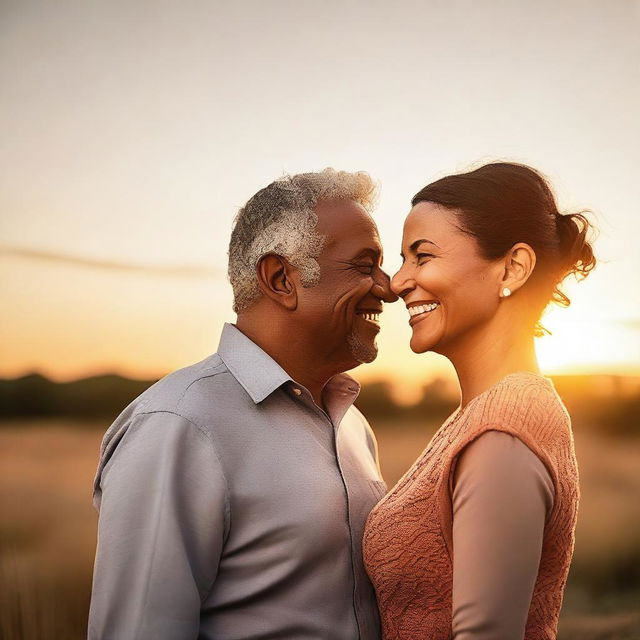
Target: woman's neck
(487, 358)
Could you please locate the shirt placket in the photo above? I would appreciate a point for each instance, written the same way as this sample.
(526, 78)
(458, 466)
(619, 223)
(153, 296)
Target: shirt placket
(304, 396)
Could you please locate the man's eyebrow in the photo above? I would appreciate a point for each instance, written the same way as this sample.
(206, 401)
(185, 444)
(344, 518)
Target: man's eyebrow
(375, 251)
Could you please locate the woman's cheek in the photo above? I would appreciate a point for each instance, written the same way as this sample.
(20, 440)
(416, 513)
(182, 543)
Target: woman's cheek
(436, 281)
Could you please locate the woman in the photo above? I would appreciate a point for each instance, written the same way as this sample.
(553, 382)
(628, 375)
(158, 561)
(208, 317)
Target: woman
(475, 541)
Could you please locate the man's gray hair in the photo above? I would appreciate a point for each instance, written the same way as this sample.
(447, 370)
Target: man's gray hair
(281, 219)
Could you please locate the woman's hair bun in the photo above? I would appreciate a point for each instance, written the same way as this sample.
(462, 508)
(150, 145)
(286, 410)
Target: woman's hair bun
(575, 247)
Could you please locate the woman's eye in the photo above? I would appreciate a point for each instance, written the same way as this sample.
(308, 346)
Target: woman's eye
(421, 257)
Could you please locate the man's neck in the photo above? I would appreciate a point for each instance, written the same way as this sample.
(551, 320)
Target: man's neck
(306, 367)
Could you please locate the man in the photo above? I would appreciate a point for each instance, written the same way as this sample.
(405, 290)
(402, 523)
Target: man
(233, 493)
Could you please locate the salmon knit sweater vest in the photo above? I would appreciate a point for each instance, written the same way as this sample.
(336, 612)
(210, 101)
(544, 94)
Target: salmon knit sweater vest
(408, 536)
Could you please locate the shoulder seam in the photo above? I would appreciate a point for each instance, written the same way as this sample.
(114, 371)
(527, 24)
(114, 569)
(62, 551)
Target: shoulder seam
(174, 413)
(222, 369)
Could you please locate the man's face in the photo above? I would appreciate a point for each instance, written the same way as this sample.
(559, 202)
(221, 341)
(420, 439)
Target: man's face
(341, 313)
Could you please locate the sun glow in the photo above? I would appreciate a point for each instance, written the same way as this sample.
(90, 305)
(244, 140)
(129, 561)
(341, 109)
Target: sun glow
(583, 345)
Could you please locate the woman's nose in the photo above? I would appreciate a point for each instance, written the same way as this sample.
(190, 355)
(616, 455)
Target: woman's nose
(401, 283)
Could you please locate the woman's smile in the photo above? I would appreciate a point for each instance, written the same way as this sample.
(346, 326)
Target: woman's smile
(420, 310)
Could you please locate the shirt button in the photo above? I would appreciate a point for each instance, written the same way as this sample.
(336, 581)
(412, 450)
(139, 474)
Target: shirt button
(297, 391)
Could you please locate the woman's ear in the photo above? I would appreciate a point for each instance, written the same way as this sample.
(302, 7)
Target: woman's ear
(277, 281)
(518, 266)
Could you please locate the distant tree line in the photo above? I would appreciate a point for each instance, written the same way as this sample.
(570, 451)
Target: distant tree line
(376, 400)
(607, 404)
(99, 396)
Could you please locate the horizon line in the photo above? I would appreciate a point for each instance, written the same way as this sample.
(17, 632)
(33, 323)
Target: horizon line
(181, 271)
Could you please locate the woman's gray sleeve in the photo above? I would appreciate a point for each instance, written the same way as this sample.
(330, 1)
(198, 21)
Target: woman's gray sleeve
(501, 495)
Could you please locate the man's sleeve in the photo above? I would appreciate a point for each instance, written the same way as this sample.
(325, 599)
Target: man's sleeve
(162, 523)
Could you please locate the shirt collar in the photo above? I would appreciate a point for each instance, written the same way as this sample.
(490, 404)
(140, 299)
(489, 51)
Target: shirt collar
(339, 394)
(258, 373)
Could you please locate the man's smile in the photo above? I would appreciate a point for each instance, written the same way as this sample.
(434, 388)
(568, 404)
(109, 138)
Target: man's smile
(370, 316)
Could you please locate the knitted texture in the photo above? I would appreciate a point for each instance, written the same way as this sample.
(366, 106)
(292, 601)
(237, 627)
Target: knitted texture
(408, 536)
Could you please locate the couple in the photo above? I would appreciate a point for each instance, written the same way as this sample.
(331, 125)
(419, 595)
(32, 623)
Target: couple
(241, 497)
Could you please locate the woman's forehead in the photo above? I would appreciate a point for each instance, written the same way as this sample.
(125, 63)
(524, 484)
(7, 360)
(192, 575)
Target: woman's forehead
(432, 221)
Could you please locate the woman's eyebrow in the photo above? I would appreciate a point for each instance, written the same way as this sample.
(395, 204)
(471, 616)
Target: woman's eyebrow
(417, 243)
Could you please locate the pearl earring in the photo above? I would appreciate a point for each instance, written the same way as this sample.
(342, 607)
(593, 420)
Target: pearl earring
(506, 292)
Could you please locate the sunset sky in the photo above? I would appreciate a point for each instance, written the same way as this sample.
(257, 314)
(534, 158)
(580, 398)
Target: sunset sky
(131, 132)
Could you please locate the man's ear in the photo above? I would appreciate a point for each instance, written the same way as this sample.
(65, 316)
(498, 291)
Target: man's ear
(276, 280)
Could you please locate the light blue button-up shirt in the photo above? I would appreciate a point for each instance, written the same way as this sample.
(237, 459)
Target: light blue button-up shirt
(232, 507)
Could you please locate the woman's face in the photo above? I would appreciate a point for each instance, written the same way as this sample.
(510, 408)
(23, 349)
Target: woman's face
(450, 290)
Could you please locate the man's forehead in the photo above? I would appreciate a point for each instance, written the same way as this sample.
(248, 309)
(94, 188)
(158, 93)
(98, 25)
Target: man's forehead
(345, 223)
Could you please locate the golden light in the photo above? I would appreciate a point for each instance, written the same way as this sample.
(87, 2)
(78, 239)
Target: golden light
(587, 345)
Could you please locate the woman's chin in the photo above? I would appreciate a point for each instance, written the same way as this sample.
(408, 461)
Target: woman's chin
(425, 339)
(420, 346)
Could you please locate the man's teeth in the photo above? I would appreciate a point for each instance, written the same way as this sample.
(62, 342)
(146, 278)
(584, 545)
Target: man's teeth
(374, 317)
(416, 311)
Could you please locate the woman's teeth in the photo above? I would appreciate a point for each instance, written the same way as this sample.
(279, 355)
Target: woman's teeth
(420, 309)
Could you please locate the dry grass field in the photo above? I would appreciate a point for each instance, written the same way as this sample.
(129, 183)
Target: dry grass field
(48, 525)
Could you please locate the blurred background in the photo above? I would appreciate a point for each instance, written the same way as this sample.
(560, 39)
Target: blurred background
(132, 131)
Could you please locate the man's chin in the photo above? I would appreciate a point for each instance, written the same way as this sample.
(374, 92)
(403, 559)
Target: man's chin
(362, 351)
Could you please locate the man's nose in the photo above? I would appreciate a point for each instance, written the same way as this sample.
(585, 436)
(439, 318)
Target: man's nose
(382, 288)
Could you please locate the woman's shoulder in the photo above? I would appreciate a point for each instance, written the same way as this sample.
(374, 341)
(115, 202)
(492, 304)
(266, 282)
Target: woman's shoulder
(524, 405)
(523, 400)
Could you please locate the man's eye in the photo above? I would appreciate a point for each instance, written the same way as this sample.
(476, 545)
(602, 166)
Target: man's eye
(366, 266)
